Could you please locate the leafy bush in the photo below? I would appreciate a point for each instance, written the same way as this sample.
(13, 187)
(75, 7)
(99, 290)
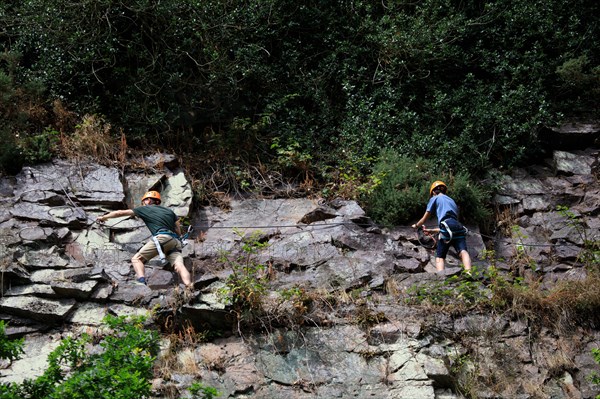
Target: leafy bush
(9, 349)
(401, 194)
(122, 369)
(93, 138)
(469, 86)
(472, 197)
(403, 191)
(40, 147)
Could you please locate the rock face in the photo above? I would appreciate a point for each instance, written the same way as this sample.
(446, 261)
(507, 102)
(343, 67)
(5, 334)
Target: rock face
(332, 323)
(572, 135)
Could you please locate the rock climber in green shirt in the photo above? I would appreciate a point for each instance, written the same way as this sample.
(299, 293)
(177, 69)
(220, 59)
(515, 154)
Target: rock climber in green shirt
(164, 226)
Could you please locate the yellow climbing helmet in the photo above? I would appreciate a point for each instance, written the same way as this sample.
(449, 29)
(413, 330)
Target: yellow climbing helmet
(436, 184)
(152, 194)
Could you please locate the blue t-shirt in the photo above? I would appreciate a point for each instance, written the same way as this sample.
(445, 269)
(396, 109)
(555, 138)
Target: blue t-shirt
(440, 205)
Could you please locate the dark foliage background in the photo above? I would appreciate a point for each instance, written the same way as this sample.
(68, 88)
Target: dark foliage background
(318, 86)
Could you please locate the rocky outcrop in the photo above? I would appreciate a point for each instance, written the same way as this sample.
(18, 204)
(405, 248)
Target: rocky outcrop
(552, 211)
(346, 332)
(572, 135)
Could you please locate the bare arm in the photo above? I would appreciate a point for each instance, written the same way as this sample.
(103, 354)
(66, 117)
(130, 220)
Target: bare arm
(178, 228)
(422, 221)
(115, 214)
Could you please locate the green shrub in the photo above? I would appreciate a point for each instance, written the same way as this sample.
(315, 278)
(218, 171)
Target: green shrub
(122, 370)
(480, 78)
(403, 190)
(41, 147)
(472, 198)
(9, 349)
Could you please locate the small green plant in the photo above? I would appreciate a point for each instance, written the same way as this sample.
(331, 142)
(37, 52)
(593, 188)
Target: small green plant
(291, 155)
(299, 298)
(200, 391)
(9, 349)
(594, 377)
(464, 368)
(366, 317)
(522, 257)
(247, 285)
(454, 290)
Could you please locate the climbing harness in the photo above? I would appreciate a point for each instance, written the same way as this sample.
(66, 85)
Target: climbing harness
(451, 228)
(161, 254)
(182, 239)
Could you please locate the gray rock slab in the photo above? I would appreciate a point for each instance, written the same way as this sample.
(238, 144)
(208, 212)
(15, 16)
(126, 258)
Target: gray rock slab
(133, 294)
(590, 203)
(75, 275)
(178, 194)
(44, 259)
(35, 233)
(80, 291)
(120, 309)
(536, 203)
(138, 184)
(45, 310)
(88, 314)
(137, 236)
(41, 290)
(202, 315)
(520, 187)
(98, 185)
(573, 163)
(14, 274)
(408, 265)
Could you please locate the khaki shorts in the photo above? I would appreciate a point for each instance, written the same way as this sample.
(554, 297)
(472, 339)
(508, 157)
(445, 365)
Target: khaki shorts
(167, 243)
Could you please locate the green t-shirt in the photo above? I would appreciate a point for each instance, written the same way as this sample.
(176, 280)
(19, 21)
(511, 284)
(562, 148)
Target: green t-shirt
(156, 217)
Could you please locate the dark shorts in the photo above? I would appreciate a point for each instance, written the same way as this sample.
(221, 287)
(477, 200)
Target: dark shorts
(459, 244)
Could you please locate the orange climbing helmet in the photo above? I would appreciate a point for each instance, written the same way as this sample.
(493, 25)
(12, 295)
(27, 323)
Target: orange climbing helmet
(436, 184)
(152, 194)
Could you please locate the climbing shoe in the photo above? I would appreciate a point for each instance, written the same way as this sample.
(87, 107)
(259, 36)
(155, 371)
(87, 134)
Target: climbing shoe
(140, 281)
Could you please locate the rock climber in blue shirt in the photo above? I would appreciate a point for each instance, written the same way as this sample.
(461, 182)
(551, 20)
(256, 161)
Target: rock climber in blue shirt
(452, 232)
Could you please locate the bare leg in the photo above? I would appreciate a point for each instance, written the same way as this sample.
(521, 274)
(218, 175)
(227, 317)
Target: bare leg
(439, 264)
(138, 266)
(186, 278)
(466, 259)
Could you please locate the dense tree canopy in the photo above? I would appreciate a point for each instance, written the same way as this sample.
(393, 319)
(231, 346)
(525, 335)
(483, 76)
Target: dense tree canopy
(468, 83)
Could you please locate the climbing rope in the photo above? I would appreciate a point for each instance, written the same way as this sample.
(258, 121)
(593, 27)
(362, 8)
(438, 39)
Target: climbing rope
(425, 238)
